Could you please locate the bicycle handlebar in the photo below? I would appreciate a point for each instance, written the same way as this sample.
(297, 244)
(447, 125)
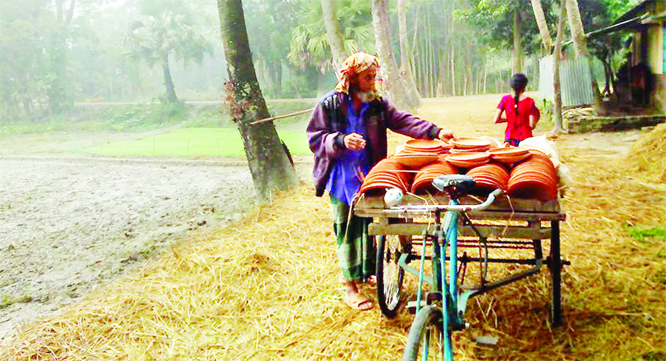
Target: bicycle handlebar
(445, 207)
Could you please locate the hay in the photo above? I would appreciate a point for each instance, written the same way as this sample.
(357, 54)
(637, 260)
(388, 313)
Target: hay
(267, 288)
(648, 155)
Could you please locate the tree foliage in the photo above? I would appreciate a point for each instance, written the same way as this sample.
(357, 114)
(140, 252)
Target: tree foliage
(160, 36)
(492, 22)
(49, 59)
(309, 45)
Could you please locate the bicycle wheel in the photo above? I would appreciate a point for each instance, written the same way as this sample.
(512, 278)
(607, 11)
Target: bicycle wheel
(389, 275)
(426, 341)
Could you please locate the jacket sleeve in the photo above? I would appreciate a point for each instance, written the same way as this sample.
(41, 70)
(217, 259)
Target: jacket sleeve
(323, 141)
(409, 125)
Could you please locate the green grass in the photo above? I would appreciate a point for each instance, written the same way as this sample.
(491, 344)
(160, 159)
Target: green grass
(148, 116)
(647, 233)
(193, 143)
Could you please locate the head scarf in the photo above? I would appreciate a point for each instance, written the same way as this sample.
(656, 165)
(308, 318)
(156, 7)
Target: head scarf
(355, 64)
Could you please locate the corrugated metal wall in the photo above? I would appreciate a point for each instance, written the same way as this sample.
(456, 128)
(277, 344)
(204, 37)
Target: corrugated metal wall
(575, 81)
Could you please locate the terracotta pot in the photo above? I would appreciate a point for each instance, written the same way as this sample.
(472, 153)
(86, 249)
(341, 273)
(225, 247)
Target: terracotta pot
(424, 144)
(415, 160)
(468, 160)
(470, 143)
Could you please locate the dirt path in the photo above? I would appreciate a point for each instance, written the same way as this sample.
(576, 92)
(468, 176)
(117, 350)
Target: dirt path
(70, 225)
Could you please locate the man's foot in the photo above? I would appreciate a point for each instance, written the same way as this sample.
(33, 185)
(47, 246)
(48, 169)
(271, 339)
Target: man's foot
(358, 301)
(370, 281)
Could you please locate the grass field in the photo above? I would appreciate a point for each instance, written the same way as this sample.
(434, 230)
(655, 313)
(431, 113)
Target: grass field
(192, 142)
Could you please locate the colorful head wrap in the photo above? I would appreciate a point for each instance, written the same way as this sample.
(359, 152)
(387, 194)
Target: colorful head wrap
(355, 64)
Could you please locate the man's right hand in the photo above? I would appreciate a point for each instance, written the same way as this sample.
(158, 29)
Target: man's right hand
(354, 141)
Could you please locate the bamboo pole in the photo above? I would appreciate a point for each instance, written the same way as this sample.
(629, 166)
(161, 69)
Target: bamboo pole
(266, 120)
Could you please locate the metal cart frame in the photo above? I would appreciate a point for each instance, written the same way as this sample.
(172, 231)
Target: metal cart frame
(524, 223)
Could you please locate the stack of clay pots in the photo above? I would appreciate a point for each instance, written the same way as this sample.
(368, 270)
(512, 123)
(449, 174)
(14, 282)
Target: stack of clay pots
(388, 173)
(534, 177)
(522, 173)
(490, 176)
(418, 153)
(423, 179)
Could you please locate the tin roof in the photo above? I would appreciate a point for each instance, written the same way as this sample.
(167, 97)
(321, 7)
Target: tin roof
(646, 7)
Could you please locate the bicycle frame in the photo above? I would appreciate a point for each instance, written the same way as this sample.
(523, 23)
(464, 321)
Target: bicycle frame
(445, 235)
(451, 227)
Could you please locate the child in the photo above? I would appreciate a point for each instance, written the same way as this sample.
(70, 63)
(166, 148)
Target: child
(522, 114)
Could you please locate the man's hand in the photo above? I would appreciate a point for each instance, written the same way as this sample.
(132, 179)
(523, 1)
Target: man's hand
(445, 134)
(354, 141)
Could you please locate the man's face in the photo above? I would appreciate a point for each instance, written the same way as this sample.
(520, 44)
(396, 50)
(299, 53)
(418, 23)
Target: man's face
(365, 81)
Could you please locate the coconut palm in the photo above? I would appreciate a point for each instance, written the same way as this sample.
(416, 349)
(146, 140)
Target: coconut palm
(309, 42)
(157, 38)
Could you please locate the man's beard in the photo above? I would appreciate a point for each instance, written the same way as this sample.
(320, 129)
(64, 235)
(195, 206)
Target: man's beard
(366, 97)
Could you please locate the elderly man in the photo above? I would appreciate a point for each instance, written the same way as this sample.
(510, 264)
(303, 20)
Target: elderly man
(347, 134)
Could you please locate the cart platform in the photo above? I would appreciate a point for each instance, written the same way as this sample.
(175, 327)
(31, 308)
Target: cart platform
(508, 223)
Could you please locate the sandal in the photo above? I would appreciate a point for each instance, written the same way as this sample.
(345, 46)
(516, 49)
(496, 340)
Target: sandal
(359, 302)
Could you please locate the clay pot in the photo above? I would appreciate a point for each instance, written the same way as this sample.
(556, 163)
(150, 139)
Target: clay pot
(533, 178)
(425, 145)
(490, 176)
(415, 160)
(509, 156)
(469, 159)
(470, 143)
(423, 179)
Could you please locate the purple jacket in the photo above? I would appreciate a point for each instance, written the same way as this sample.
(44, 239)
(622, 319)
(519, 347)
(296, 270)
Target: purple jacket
(329, 118)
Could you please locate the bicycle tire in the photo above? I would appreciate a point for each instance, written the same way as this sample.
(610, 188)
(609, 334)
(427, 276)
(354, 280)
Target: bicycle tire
(428, 321)
(389, 289)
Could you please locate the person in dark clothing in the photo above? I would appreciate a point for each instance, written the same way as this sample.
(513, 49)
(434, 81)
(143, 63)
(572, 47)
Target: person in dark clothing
(641, 84)
(348, 135)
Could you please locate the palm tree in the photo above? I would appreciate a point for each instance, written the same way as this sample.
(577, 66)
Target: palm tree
(394, 83)
(576, 28)
(309, 41)
(542, 25)
(405, 56)
(556, 70)
(158, 37)
(333, 33)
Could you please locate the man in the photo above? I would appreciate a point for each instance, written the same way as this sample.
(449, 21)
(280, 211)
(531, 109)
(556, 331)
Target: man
(347, 134)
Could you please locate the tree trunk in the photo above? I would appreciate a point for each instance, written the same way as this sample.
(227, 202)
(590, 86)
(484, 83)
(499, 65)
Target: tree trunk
(392, 80)
(168, 82)
(405, 58)
(542, 25)
(70, 12)
(453, 70)
(59, 11)
(469, 64)
(452, 52)
(556, 71)
(277, 66)
(576, 28)
(580, 45)
(485, 73)
(269, 164)
(516, 42)
(333, 33)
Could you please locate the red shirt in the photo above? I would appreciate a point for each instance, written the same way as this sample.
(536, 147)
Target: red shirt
(518, 126)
